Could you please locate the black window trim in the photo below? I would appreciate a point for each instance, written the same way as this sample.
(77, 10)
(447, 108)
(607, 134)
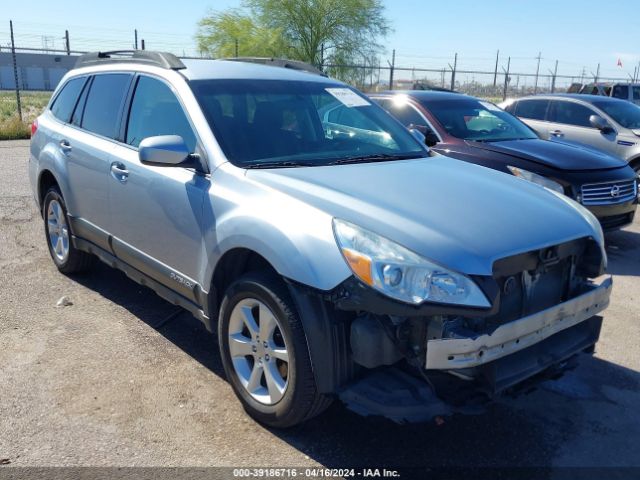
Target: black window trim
(126, 113)
(81, 102)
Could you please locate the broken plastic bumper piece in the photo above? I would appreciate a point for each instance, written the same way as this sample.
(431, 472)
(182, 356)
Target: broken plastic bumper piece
(512, 337)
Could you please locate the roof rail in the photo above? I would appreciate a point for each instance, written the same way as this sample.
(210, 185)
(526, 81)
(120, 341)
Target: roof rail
(280, 62)
(158, 59)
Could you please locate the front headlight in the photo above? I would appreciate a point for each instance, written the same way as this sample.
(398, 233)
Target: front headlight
(535, 178)
(401, 274)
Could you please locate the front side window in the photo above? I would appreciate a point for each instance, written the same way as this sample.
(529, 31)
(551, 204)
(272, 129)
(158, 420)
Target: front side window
(532, 109)
(155, 110)
(471, 119)
(104, 101)
(626, 114)
(570, 113)
(291, 123)
(65, 102)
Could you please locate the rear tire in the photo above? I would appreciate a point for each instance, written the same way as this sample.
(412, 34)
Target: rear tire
(265, 354)
(65, 255)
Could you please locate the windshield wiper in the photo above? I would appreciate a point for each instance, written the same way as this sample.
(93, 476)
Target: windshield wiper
(285, 164)
(382, 157)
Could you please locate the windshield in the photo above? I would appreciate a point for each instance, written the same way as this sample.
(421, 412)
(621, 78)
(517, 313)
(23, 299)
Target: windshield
(625, 113)
(275, 123)
(476, 120)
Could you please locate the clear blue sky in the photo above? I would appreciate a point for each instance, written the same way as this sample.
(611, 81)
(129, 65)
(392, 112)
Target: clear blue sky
(426, 33)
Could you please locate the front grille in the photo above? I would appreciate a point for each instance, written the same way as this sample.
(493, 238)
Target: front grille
(609, 193)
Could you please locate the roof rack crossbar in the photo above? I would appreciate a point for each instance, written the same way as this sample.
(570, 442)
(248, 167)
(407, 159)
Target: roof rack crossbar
(280, 62)
(158, 59)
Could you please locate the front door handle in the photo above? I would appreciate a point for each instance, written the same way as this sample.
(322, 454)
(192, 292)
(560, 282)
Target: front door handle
(556, 133)
(65, 146)
(119, 172)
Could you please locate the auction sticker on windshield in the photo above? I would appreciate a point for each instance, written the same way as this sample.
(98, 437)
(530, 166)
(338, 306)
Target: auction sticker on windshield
(348, 97)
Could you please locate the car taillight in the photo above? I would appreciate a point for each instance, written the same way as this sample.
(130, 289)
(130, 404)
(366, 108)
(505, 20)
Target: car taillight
(34, 127)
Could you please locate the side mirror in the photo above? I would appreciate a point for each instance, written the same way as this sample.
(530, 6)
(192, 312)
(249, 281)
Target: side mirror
(430, 138)
(600, 123)
(165, 150)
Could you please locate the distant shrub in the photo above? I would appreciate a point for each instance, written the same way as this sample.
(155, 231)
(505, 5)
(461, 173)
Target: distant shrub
(13, 129)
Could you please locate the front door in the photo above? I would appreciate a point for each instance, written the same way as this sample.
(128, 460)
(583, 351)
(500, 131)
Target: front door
(570, 121)
(156, 212)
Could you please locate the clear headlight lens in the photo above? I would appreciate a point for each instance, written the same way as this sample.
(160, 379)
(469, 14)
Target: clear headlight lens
(401, 274)
(535, 178)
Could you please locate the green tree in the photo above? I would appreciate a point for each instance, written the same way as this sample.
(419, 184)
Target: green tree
(309, 30)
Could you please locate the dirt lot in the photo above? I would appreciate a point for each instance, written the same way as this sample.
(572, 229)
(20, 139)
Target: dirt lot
(106, 382)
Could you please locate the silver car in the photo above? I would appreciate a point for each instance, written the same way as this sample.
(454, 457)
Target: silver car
(322, 250)
(605, 123)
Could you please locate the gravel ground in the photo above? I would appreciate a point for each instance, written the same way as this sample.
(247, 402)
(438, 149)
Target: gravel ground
(106, 382)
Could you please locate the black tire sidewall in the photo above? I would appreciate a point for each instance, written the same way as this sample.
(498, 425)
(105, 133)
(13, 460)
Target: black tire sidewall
(252, 287)
(54, 194)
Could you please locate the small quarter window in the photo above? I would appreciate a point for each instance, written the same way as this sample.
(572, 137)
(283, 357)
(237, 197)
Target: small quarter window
(66, 100)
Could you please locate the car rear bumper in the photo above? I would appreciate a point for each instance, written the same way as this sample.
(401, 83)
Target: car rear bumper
(463, 353)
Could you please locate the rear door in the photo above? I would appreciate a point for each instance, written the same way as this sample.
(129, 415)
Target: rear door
(156, 212)
(570, 121)
(89, 143)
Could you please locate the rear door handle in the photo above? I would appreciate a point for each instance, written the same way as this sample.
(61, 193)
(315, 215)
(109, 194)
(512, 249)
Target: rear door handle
(65, 146)
(119, 172)
(556, 133)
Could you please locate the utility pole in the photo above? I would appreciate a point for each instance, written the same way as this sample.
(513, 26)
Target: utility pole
(453, 71)
(506, 79)
(321, 56)
(236, 47)
(142, 43)
(554, 74)
(535, 86)
(135, 33)
(584, 72)
(596, 75)
(15, 70)
(495, 72)
(392, 67)
(66, 42)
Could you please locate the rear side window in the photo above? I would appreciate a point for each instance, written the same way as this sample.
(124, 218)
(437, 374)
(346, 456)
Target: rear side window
(155, 110)
(533, 109)
(570, 113)
(621, 91)
(104, 103)
(66, 100)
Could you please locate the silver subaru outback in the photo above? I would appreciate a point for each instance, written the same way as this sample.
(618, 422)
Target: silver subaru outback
(322, 239)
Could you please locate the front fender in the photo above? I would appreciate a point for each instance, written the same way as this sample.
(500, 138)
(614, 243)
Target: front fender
(295, 238)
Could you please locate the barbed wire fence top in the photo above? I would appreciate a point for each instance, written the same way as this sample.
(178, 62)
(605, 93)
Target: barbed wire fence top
(495, 75)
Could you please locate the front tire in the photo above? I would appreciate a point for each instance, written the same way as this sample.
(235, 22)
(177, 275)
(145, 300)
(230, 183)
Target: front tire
(264, 352)
(65, 255)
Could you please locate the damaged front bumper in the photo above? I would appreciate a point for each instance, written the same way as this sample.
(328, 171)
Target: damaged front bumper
(463, 353)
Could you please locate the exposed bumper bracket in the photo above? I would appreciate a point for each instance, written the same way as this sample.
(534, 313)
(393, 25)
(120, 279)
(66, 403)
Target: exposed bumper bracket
(456, 353)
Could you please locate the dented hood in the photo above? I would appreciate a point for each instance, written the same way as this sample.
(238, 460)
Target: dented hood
(457, 214)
